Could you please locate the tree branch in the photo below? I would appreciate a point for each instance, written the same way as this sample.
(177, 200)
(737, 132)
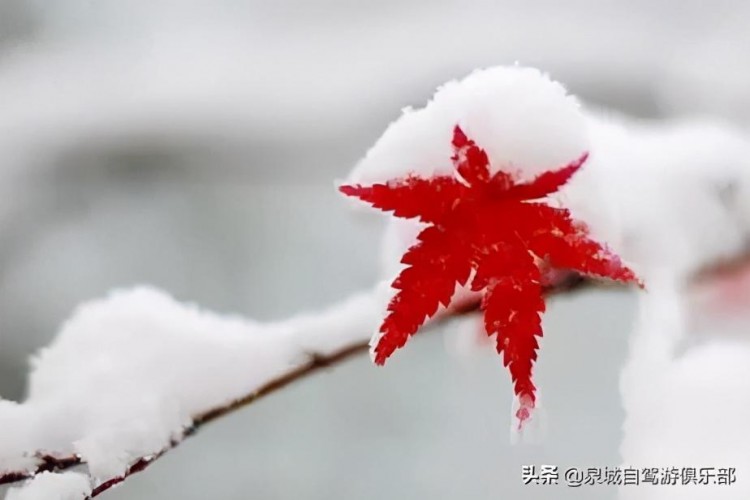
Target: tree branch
(316, 363)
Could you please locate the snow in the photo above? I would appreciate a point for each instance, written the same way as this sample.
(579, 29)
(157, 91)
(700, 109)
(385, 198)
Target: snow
(672, 197)
(48, 485)
(666, 195)
(669, 197)
(662, 194)
(655, 190)
(523, 119)
(128, 373)
(685, 389)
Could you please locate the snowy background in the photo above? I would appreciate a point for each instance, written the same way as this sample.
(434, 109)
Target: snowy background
(193, 145)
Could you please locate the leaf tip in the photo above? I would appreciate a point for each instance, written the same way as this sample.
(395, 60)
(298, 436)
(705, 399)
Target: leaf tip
(581, 159)
(379, 357)
(459, 137)
(526, 404)
(349, 190)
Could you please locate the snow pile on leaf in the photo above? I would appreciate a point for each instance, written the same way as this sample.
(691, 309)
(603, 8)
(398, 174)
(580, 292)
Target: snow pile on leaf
(526, 123)
(668, 198)
(482, 222)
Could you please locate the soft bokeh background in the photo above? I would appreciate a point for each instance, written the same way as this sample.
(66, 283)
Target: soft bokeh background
(194, 145)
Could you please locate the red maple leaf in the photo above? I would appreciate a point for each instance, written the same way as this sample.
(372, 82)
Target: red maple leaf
(487, 224)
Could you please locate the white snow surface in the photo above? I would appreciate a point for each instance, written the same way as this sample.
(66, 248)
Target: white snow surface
(127, 374)
(525, 121)
(685, 387)
(47, 485)
(669, 197)
(663, 194)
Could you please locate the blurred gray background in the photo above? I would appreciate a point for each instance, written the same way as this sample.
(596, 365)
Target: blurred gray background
(194, 145)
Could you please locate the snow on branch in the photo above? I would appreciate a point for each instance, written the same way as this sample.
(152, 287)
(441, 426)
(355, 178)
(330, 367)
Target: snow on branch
(67, 486)
(487, 173)
(128, 375)
(666, 195)
(126, 380)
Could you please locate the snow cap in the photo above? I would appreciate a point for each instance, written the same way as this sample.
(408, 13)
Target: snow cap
(526, 122)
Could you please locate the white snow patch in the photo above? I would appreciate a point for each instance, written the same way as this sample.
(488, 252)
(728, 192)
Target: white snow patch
(526, 122)
(665, 195)
(684, 391)
(669, 197)
(128, 373)
(52, 486)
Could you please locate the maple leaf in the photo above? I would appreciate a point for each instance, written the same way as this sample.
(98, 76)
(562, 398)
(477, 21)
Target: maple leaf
(489, 224)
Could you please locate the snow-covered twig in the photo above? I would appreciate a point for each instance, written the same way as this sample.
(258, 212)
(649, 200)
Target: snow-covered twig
(339, 333)
(315, 362)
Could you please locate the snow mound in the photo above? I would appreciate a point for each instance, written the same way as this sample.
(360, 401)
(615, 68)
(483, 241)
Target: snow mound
(525, 121)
